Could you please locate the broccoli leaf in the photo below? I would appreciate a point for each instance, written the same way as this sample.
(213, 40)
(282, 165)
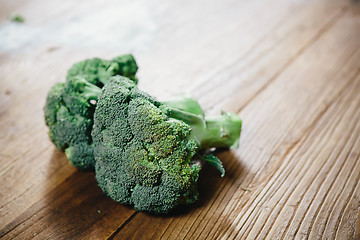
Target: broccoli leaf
(215, 162)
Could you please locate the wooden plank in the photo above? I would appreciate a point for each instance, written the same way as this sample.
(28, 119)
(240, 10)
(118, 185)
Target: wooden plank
(290, 71)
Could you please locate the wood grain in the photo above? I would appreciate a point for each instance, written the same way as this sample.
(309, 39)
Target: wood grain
(290, 69)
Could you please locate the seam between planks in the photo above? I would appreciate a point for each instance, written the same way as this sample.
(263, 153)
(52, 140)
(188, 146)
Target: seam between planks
(15, 159)
(113, 235)
(26, 190)
(30, 215)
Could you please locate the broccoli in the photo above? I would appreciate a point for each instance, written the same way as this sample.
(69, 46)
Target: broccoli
(16, 18)
(70, 106)
(145, 149)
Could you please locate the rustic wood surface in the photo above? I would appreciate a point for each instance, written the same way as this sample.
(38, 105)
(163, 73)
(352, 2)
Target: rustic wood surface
(290, 69)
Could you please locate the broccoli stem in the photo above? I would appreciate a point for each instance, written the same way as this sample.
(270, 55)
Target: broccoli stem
(184, 103)
(221, 131)
(91, 92)
(88, 90)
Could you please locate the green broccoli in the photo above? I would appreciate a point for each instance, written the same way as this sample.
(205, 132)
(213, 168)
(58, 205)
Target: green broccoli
(16, 18)
(70, 106)
(145, 149)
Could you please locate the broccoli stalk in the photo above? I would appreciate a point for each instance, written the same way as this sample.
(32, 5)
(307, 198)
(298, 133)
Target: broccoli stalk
(211, 132)
(80, 86)
(221, 131)
(186, 104)
(88, 90)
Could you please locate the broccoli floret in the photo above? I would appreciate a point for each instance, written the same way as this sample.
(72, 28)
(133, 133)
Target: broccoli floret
(81, 155)
(144, 149)
(98, 71)
(77, 96)
(53, 103)
(69, 129)
(70, 106)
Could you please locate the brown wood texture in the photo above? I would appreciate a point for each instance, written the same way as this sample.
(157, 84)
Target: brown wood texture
(290, 69)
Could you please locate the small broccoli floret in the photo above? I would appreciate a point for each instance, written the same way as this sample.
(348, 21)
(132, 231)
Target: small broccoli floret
(98, 71)
(144, 148)
(70, 106)
(81, 155)
(69, 129)
(77, 95)
(72, 124)
(53, 103)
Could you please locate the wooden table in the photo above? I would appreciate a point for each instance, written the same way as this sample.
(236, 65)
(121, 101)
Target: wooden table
(290, 69)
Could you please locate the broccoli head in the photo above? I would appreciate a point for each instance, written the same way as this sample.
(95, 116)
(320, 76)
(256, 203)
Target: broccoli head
(70, 106)
(144, 149)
